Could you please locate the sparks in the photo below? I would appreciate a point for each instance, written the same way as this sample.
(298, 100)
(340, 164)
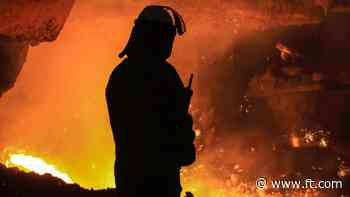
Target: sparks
(37, 165)
(309, 137)
(323, 143)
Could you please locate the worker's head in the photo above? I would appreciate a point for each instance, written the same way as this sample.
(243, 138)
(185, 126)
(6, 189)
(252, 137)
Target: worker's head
(154, 32)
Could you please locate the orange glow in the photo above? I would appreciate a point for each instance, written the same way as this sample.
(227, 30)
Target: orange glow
(36, 165)
(57, 107)
(295, 141)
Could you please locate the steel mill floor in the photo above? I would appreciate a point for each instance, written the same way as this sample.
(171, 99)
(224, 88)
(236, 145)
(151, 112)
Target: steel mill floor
(16, 183)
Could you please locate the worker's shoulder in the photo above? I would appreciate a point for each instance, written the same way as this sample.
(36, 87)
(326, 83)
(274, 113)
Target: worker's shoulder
(173, 75)
(120, 68)
(116, 76)
(170, 69)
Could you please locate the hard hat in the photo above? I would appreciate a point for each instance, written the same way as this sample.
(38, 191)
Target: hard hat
(158, 14)
(161, 14)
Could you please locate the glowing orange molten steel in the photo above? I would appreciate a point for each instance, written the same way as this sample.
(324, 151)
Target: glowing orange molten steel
(37, 165)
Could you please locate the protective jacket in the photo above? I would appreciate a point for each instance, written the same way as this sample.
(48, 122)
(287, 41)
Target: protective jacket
(152, 131)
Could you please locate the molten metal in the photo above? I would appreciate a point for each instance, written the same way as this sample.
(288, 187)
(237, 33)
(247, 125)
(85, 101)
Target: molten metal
(37, 165)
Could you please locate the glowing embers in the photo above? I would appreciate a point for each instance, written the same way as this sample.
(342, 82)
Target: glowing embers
(36, 165)
(343, 170)
(295, 140)
(246, 105)
(307, 137)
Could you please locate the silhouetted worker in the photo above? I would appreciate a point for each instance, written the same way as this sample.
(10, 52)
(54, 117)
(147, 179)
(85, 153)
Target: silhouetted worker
(147, 105)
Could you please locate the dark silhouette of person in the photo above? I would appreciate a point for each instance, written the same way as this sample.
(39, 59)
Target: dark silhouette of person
(147, 104)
